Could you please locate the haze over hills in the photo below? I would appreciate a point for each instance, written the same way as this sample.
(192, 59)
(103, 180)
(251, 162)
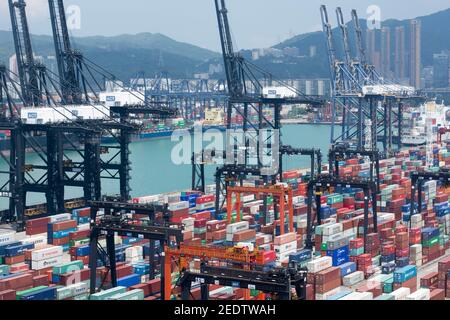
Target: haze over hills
(125, 55)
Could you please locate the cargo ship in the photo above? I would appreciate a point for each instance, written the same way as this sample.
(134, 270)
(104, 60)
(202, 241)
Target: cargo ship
(430, 116)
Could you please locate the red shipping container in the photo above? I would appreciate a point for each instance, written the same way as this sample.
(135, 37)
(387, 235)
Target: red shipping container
(16, 282)
(37, 222)
(78, 235)
(154, 286)
(200, 223)
(268, 256)
(61, 241)
(8, 295)
(356, 243)
(40, 281)
(64, 225)
(205, 199)
(437, 294)
(244, 235)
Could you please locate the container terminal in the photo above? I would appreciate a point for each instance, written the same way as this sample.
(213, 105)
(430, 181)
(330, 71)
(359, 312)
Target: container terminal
(368, 219)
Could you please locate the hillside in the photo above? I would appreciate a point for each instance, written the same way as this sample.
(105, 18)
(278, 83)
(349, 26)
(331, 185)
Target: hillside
(125, 55)
(435, 31)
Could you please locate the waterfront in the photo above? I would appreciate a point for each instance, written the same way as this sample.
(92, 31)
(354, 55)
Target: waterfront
(153, 171)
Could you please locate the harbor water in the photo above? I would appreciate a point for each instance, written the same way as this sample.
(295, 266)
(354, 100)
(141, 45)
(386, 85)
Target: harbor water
(154, 172)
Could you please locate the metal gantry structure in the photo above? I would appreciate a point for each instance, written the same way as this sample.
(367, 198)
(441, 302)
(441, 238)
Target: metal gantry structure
(192, 97)
(322, 183)
(116, 220)
(370, 106)
(72, 152)
(279, 281)
(245, 83)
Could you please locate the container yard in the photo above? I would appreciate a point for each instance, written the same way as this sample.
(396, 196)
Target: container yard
(368, 219)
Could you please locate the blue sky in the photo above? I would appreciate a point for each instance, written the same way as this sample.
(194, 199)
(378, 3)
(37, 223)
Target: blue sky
(255, 23)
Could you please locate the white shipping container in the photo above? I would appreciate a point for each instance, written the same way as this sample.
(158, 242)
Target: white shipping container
(286, 247)
(416, 249)
(319, 264)
(84, 226)
(205, 206)
(332, 229)
(47, 253)
(416, 218)
(358, 296)
(278, 92)
(148, 199)
(238, 226)
(7, 237)
(267, 237)
(134, 252)
(333, 237)
(284, 256)
(38, 241)
(420, 294)
(248, 198)
(265, 246)
(401, 293)
(43, 115)
(188, 222)
(179, 205)
(121, 98)
(353, 278)
(328, 294)
(81, 288)
(60, 217)
(42, 264)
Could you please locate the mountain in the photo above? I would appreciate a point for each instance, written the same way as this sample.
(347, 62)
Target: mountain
(125, 55)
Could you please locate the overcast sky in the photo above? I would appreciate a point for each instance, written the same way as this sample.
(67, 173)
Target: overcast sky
(255, 23)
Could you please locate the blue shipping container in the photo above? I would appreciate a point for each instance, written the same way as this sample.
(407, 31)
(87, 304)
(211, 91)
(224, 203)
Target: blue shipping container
(404, 274)
(129, 281)
(347, 268)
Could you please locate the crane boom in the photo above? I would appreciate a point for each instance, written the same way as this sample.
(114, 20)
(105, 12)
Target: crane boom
(329, 34)
(70, 84)
(28, 69)
(344, 30)
(231, 59)
(361, 52)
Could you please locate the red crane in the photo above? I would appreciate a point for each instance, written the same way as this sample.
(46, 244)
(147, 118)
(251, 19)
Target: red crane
(441, 132)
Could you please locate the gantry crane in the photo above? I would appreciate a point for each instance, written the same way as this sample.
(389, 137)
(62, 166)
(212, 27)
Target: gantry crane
(279, 191)
(239, 256)
(73, 82)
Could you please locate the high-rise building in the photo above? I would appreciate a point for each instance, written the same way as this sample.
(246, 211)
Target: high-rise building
(14, 69)
(386, 52)
(415, 54)
(400, 52)
(440, 70)
(371, 45)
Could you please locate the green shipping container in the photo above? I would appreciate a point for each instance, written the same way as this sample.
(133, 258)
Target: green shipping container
(4, 270)
(106, 294)
(431, 242)
(20, 294)
(137, 294)
(68, 267)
